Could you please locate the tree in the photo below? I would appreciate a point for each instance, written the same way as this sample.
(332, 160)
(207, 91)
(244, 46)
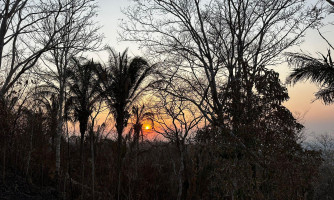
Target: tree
(140, 114)
(81, 34)
(176, 119)
(317, 70)
(324, 186)
(97, 110)
(206, 45)
(122, 82)
(20, 31)
(83, 94)
(320, 71)
(267, 128)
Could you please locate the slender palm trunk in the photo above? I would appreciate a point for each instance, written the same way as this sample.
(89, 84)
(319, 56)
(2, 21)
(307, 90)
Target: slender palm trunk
(120, 128)
(119, 159)
(137, 152)
(93, 159)
(83, 127)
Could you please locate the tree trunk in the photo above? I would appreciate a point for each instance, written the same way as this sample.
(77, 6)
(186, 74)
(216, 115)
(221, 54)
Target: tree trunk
(183, 180)
(68, 160)
(181, 171)
(93, 160)
(58, 151)
(119, 165)
(29, 156)
(4, 163)
(59, 132)
(119, 155)
(83, 127)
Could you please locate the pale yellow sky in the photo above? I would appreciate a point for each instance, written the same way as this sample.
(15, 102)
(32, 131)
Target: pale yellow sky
(317, 117)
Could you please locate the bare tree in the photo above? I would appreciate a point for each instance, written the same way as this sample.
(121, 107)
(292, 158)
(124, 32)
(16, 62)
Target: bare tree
(80, 35)
(206, 45)
(20, 28)
(175, 119)
(97, 110)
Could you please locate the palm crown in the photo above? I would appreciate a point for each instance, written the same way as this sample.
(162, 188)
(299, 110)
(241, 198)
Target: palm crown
(121, 83)
(320, 71)
(83, 85)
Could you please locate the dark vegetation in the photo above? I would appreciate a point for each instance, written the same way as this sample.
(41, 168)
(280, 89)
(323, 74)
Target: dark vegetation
(204, 87)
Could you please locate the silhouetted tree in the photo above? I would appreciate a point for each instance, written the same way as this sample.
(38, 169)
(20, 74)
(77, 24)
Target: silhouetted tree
(20, 26)
(320, 71)
(139, 115)
(81, 34)
(122, 82)
(83, 94)
(317, 70)
(176, 119)
(206, 46)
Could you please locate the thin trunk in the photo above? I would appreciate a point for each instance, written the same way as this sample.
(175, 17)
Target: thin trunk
(119, 156)
(64, 188)
(183, 179)
(137, 153)
(4, 163)
(29, 156)
(68, 158)
(42, 177)
(181, 171)
(59, 132)
(83, 127)
(58, 155)
(3, 31)
(93, 160)
(82, 165)
(119, 184)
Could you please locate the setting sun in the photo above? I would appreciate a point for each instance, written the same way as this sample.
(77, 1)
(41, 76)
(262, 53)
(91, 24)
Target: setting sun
(147, 127)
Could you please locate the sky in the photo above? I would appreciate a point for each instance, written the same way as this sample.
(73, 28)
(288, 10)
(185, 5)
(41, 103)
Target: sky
(315, 116)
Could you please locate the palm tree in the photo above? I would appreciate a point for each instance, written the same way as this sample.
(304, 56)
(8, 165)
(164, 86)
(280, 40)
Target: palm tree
(320, 71)
(122, 83)
(84, 93)
(140, 115)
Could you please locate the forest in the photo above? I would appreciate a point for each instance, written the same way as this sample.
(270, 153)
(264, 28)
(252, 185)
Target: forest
(199, 114)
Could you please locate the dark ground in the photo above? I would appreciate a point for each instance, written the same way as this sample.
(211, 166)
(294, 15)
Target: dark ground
(16, 187)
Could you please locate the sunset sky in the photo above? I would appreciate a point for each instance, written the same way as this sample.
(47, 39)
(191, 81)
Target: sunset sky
(316, 117)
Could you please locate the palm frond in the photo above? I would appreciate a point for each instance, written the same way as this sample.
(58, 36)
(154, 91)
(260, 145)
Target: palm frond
(309, 68)
(320, 71)
(83, 81)
(326, 95)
